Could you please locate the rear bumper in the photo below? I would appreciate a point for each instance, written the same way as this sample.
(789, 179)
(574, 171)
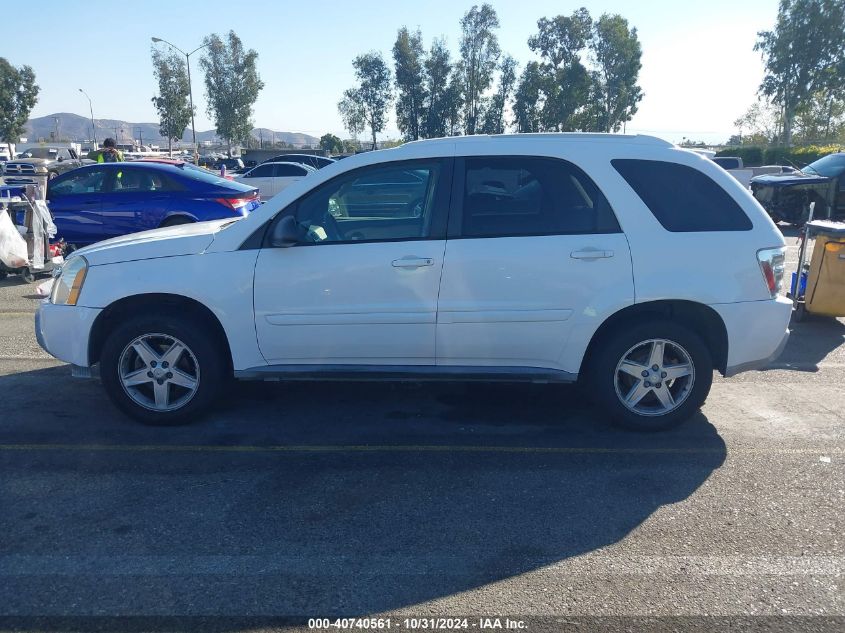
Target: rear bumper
(757, 332)
(64, 331)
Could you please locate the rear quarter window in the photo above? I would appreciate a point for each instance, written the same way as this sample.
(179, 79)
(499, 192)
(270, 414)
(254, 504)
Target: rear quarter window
(681, 198)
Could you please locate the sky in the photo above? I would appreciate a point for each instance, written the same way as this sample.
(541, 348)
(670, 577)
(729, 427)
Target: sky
(699, 71)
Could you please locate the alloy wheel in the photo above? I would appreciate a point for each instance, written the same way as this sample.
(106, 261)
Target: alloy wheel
(159, 372)
(654, 377)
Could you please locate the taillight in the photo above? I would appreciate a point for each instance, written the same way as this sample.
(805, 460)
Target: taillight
(772, 265)
(238, 204)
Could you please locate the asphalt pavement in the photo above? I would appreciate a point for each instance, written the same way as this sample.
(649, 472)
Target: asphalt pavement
(311, 500)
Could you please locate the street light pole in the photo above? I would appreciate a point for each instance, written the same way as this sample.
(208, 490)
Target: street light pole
(190, 88)
(91, 108)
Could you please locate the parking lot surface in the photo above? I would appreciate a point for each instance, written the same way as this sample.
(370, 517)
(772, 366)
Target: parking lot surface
(329, 499)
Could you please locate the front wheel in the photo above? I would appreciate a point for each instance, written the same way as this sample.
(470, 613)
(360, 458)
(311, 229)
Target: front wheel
(161, 371)
(651, 376)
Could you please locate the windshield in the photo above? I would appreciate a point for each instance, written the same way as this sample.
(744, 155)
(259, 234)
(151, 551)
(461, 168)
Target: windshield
(40, 152)
(830, 166)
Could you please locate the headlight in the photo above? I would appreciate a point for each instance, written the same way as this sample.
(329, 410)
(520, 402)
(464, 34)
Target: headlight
(41, 170)
(68, 285)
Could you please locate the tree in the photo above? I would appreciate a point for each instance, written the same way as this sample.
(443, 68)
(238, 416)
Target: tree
(760, 125)
(805, 43)
(18, 95)
(366, 105)
(409, 59)
(528, 101)
(331, 143)
(437, 71)
(174, 111)
(559, 40)
(351, 146)
(232, 85)
(821, 118)
(479, 56)
(566, 84)
(352, 113)
(453, 106)
(617, 52)
(494, 115)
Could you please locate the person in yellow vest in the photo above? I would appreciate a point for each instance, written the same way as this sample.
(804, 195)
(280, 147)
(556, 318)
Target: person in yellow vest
(109, 153)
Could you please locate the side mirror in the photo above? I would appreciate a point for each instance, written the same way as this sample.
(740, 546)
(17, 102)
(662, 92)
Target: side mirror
(285, 233)
(61, 158)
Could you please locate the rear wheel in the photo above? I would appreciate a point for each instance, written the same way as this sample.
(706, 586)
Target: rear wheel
(162, 371)
(651, 376)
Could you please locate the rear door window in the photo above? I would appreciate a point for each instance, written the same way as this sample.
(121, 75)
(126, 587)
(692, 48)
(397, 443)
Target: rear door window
(287, 171)
(681, 198)
(523, 195)
(134, 180)
(262, 171)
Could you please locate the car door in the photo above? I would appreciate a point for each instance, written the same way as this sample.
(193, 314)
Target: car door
(75, 199)
(534, 252)
(285, 175)
(136, 199)
(356, 289)
(262, 178)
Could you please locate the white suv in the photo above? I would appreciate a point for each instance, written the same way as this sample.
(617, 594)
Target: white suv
(624, 262)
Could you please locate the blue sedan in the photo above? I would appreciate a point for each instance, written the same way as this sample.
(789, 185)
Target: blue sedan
(98, 202)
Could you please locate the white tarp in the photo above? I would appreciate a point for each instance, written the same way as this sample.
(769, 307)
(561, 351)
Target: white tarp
(12, 246)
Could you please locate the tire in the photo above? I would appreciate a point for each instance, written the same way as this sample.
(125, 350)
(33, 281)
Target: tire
(3, 275)
(28, 276)
(610, 380)
(139, 348)
(176, 221)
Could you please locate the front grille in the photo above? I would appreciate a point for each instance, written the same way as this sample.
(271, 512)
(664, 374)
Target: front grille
(20, 169)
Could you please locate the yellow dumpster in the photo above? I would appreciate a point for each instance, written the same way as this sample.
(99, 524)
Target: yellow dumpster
(824, 293)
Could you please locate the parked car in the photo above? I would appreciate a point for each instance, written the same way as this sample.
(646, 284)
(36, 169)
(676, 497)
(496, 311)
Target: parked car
(624, 262)
(733, 163)
(271, 178)
(107, 200)
(40, 162)
(317, 162)
(233, 165)
(787, 197)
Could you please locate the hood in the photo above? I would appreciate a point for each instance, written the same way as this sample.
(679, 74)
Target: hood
(172, 241)
(784, 180)
(31, 161)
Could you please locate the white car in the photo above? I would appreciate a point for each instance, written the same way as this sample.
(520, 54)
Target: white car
(271, 178)
(625, 261)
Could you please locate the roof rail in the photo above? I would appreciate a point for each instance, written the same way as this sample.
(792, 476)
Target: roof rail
(572, 137)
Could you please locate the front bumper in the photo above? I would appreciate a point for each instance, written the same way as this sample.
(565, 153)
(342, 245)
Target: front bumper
(757, 332)
(64, 331)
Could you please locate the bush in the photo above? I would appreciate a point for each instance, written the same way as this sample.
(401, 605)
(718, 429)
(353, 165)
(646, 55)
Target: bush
(754, 156)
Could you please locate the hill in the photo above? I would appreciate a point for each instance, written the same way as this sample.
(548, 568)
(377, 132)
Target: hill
(66, 125)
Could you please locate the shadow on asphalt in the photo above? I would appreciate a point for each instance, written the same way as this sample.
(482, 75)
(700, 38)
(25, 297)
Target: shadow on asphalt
(418, 492)
(810, 342)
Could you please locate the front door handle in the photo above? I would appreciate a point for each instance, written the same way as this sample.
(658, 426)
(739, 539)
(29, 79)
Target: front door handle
(591, 253)
(410, 261)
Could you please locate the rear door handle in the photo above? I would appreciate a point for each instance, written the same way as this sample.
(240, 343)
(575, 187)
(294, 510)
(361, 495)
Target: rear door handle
(591, 253)
(411, 261)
